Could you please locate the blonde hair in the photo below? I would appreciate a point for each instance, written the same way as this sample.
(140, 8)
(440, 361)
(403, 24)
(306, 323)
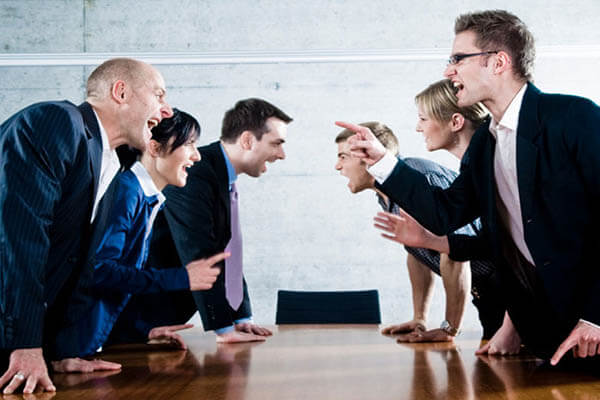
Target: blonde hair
(439, 102)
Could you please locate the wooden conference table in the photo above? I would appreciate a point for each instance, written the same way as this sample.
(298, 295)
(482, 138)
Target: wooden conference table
(321, 362)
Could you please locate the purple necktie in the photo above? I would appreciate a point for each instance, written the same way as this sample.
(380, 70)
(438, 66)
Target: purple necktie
(233, 265)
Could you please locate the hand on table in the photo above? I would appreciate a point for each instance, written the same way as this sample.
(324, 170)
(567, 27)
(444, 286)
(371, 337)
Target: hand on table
(406, 327)
(245, 332)
(433, 335)
(26, 366)
(249, 327)
(584, 341)
(80, 365)
(167, 335)
(363, 144)
(239, 337)
(506, 341)
(202, 273)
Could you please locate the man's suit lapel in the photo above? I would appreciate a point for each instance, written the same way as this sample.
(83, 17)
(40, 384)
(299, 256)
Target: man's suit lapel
(488, 181)
(94, 143)
(220, 168)
(527, 152)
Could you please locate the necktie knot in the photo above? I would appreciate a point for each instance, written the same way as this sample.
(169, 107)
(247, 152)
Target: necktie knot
(233, 193)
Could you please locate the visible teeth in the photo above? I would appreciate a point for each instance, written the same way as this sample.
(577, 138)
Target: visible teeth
(457, 87)
(152, 123)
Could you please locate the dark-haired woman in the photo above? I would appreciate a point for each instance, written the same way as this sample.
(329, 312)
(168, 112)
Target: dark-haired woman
(123, 235)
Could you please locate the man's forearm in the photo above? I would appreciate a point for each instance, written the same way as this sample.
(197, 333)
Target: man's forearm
(437, 243)
(456, 277)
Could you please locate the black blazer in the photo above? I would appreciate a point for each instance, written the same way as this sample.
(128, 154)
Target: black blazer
(50, 155)
(558, 170)
(195, 224)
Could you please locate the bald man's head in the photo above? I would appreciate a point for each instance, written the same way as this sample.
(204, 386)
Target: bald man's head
(131, 71)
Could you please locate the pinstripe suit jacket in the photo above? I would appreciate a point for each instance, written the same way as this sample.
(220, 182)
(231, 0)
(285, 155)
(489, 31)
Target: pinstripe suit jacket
(50, 155)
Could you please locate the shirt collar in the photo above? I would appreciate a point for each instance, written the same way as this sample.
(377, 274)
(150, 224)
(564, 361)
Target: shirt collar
(510, 119)
(146, 182)
(230, 170)
(103, 134)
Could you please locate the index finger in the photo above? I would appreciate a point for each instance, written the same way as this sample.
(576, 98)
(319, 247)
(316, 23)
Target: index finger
(173, 328)
(102, 365)
(350, 126)
(562, 349)
(217, 257)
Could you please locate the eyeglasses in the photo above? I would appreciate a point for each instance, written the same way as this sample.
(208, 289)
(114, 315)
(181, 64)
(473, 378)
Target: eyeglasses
(455, 59)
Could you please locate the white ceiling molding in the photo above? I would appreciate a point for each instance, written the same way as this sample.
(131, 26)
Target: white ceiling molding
(269, 57)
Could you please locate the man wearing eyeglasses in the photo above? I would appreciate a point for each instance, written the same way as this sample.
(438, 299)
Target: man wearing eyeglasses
(533, 176)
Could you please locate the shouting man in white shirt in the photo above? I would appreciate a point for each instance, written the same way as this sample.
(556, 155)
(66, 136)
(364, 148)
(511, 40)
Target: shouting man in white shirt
(533, 176)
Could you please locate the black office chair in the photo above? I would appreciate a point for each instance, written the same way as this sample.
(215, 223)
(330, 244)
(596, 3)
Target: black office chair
(348, 307)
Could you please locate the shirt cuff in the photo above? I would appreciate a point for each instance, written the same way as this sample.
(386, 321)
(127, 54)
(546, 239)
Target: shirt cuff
(222, 331)
(589, 323)
(230, 328)
(383, 168)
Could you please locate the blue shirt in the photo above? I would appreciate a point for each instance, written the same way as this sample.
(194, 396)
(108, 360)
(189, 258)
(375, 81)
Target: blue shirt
(121, 255)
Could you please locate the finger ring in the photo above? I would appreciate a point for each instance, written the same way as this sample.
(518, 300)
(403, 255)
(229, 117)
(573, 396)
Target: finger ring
(19, 376)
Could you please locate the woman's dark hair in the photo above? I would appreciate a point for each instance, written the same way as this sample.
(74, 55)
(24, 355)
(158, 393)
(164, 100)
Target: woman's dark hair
(182, 126)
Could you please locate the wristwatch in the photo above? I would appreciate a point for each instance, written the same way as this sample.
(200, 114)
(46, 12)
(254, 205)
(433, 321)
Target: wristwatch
(449, 329)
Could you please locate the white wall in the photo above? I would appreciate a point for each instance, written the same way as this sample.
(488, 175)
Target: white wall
(302, 228)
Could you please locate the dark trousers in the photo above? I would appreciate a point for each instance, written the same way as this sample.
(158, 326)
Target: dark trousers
(540, 327)
(489, 301)
(485, 288)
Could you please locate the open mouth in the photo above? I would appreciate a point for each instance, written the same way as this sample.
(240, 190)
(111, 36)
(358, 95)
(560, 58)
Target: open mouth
(152, 122)
(457, 87)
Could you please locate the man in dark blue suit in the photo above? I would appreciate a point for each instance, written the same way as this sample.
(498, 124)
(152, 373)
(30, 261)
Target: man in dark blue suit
(199, 220)
(532, 174)
(56, 161)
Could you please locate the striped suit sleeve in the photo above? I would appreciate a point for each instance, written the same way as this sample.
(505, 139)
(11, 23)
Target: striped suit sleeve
(37, 147)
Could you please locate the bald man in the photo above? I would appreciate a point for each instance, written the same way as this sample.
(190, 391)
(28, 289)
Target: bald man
(56, 161)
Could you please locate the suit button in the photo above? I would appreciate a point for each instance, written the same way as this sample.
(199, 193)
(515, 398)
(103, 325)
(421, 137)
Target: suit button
(546, 263)
(530, 220)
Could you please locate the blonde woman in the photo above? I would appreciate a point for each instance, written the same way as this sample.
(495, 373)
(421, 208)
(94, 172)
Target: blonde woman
(444, 125)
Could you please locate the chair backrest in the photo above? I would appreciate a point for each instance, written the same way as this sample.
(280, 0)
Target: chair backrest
(342, 307)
